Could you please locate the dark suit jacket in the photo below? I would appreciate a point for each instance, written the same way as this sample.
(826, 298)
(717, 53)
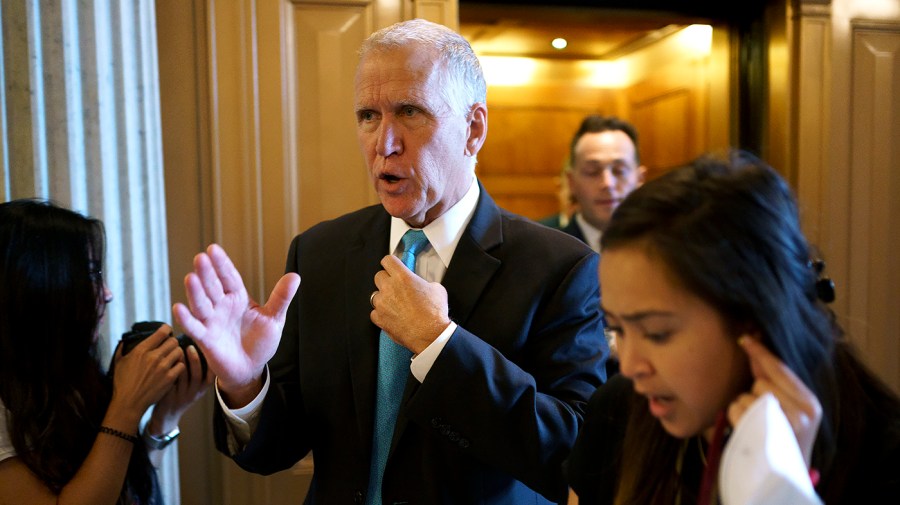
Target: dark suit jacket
(501, 406)
(574, 230)
(612, 364)
(552, 221)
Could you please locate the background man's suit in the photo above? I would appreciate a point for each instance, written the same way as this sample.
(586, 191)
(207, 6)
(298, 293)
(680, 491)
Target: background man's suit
(573, 229)
(501, 405)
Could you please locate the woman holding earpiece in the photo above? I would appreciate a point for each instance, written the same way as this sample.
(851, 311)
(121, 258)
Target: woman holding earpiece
(709, 289)
(68, 430)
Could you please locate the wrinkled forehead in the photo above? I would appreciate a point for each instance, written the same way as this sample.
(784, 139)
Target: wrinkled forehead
(409, 60)
(398, 74)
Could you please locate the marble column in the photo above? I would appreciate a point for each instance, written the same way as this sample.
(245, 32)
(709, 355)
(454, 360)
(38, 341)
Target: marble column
(80, 125)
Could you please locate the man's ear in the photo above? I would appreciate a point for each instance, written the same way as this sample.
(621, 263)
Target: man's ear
(641, 174)
(477, 128)
(570, 176)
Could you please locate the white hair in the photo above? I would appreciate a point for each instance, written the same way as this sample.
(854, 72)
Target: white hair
(465, 80)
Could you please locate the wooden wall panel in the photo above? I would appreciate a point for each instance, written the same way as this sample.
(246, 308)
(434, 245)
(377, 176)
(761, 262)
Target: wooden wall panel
(670, 110)
(809, 133)
(325, 153)
(528, 141)
(845, 164)
(527, 147)
(666, 128)
(445, 12)
(182, 47)
(874, 321)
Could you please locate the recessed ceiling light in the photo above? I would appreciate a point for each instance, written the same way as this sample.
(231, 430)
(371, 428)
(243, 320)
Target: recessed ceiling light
(559, 43)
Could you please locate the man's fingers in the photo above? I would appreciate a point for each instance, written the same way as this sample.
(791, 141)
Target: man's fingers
(194, 367)
(393, 266)
(282, 294)
(192, 326)
(197, 297)
(208, 277)
(227, 273)
(381, 279)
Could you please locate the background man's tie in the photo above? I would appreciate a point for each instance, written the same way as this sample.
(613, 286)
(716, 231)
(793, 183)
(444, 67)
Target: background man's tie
(393, 368)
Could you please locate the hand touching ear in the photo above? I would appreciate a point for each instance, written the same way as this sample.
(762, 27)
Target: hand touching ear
(799, 404)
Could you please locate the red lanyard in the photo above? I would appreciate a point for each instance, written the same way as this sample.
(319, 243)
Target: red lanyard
(713, 455)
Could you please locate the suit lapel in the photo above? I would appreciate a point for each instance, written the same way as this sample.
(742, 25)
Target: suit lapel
(472, 266)
(362, 262)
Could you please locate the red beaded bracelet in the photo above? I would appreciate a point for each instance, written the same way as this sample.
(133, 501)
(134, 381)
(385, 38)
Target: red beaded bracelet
(814, 477)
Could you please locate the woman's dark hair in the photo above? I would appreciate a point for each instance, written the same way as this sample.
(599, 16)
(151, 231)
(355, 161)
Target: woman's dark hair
(51, 381)
(728, 228)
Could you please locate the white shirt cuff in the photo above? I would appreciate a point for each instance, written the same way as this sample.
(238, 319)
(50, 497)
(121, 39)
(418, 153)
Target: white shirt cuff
(421, 364)
(242, 422)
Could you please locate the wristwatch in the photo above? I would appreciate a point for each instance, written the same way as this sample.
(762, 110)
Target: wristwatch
(157, 443)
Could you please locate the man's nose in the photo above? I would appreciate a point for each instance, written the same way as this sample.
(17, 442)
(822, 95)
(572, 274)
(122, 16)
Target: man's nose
(389, 141)
(608, 178)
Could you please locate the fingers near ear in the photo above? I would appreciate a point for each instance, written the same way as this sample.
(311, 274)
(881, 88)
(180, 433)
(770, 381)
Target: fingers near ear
(757, 353)
(767, 367)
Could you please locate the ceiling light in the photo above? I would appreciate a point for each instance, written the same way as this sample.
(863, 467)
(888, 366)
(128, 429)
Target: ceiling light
(697, 39)
(559, 43)
(507, 71)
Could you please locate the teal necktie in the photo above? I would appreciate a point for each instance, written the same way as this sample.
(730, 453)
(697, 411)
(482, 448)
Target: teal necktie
(393, 368)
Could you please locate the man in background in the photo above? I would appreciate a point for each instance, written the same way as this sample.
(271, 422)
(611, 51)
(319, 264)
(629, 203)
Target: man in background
(604, 168)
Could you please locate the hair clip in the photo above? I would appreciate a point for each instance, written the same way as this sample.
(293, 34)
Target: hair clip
(824, 285)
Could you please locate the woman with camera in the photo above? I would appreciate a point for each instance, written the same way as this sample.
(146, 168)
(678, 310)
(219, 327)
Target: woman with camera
(69, 432)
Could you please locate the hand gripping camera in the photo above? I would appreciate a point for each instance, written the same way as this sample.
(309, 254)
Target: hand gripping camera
(143, 329)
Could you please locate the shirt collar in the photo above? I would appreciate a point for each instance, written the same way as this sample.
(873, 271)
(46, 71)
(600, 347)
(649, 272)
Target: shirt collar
(444, 232)
(591, 234)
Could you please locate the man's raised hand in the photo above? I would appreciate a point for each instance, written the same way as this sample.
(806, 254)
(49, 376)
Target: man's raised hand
(237, 335)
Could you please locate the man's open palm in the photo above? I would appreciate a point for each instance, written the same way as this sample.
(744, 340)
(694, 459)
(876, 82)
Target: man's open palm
(237, 335)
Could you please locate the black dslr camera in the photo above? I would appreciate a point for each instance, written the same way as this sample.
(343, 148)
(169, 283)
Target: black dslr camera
(143, 329)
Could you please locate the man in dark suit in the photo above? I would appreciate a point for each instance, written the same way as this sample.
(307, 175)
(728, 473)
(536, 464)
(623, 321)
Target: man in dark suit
(498, 315)
(604, 167)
